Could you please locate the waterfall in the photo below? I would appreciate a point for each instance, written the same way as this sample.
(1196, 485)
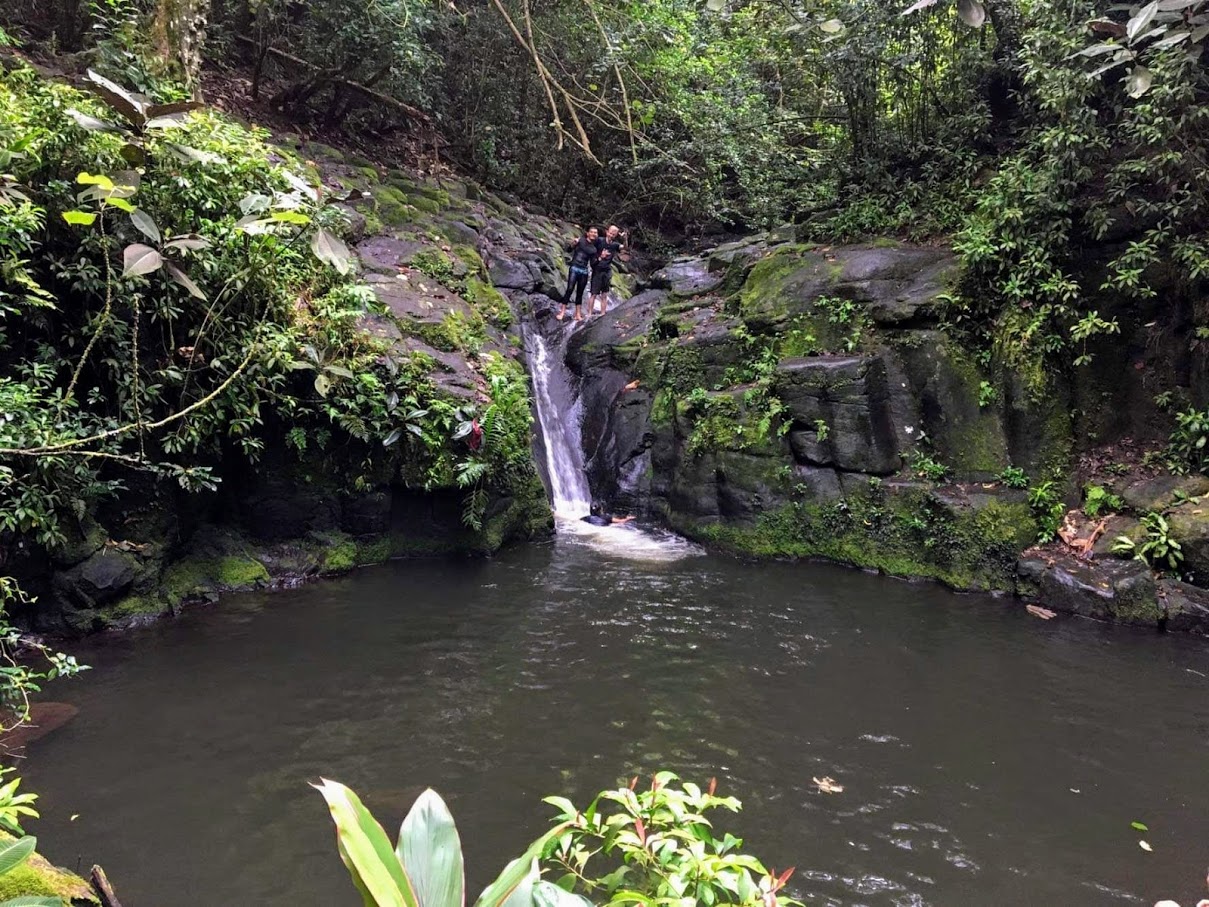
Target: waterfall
(559, 417)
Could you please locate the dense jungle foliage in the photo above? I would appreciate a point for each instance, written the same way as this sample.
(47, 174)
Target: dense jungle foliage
(208, 304)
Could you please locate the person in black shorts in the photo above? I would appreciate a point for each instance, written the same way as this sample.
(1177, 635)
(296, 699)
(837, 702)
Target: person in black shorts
(583, 254)
(608, 248)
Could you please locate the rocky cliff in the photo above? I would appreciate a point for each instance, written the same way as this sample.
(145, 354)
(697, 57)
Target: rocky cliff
(433, 250)
(790, 401)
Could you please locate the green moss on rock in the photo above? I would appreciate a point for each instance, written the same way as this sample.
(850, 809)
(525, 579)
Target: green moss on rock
(195, 577)
(908, 532)
(36, 877)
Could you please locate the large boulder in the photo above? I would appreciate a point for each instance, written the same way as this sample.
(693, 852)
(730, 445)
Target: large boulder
(1112, 590)
(840, 417)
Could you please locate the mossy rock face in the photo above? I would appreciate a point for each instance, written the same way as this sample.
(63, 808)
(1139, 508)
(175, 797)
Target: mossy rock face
(945, 385)
(196, 577)
(1104, 589)
(36, 877)
(968, 542)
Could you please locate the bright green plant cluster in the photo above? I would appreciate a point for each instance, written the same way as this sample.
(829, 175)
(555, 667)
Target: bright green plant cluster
(425, 868)
(167, 294)
(1014, 477)
(1186, 448)
(1097, 500)
(1048, 510)
(656, 846)
(649, 848)
(925, 466)
(1158, 549)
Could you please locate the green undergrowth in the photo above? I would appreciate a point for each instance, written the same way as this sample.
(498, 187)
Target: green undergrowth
(244, 338)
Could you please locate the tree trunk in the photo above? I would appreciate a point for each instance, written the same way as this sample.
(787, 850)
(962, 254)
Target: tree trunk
(1004, 82)
(179, 32)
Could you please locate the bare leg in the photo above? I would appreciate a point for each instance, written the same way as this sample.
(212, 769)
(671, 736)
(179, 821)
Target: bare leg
(579, 313)
(562, 312)
(604, 303)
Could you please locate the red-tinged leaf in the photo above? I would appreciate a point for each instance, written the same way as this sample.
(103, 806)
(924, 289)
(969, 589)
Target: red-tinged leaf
(640, 830)
(190, 241)
(164, 110)
(713, 786)
(118, 98)
(1107, 28)
(634, 783)
(786, 875)
(139, 259)
(184, 280)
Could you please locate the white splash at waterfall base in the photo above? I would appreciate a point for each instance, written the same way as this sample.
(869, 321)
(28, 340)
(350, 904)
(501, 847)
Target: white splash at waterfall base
(559, 415)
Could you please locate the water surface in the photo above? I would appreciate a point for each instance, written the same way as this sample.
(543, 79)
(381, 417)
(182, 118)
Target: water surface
(987, 757)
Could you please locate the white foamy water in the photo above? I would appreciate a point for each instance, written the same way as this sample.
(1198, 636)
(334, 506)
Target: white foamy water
(559, 415)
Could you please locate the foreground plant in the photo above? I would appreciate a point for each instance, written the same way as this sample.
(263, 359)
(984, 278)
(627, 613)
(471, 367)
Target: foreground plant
(425, 868)
(656, 847)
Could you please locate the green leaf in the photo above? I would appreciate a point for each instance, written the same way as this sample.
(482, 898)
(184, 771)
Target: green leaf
(139, 259)
(331, 250)
(120, 203)
(82, 218)
(972, 12)
(322, 385)
(145, 224)
(547, 894)
(366, 851)
(14, 853)
(715, 6)
(393, 438)
(290, 217)
(89, 179)
(339, 370)
(832, 26)
(189, 155)
(515, 873)
(32, 901)
(431, 853)
(1138, 826)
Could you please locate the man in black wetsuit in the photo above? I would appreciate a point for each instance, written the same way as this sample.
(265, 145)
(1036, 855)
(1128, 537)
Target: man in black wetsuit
(583, 253)
(599, 518)
(608, 248)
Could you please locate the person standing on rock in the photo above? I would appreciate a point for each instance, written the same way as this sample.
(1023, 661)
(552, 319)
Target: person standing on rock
(583, 253)
(608, 248)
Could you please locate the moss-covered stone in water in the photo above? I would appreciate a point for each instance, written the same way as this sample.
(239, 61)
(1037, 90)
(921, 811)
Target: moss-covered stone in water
(195, 577)
(137, 606)
(373, 551)
(36, 877)
(340, 556)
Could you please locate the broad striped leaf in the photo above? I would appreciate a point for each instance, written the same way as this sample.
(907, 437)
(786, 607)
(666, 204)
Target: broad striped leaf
(366, 851)
(431, 853)
(14, 853)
